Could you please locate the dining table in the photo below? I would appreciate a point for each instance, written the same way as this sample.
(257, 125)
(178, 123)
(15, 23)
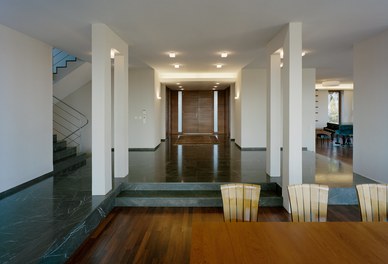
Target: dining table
(289, 242)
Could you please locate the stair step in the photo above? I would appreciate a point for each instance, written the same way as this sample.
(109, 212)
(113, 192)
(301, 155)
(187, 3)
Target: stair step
(186, 198)
(70, 163)
(65, 153)
(59, 145)
(192, 186)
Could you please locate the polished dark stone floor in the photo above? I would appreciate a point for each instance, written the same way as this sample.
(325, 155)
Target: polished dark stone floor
(225, 162)
(39, 222)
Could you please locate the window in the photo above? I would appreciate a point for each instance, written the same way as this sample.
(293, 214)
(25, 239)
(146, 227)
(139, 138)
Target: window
(334, 107)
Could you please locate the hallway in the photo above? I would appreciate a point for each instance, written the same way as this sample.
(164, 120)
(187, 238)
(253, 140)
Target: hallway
(225, 162)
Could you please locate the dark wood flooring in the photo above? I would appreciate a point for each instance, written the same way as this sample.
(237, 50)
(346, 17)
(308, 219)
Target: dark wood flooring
(163, 235)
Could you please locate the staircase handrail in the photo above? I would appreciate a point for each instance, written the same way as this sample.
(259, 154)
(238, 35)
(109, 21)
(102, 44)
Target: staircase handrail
(82, 115)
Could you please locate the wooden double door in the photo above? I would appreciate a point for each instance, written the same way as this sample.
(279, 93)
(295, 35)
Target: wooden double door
(198, 112)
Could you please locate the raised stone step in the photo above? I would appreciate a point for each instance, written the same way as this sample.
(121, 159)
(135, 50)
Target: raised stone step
(59, 145)
(64, 154)
(185, 195)
(70, 164)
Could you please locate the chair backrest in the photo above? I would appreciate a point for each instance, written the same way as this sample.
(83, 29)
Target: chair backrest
(373, 202)
(240, 202)
(308, 202)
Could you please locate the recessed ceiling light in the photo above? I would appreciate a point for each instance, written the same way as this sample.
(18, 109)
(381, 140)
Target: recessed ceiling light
(172, 54)
(178, 83)
(224, 54)
(214, 89)
(217, 83)
(215, 86)
(176, 66)
(219, 65)
(182, 89)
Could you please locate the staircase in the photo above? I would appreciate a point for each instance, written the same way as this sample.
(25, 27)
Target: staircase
(187, 195)
(66, 158)
(67, 125)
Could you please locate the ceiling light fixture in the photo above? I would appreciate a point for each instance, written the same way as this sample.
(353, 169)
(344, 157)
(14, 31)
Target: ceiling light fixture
(172, 54)
(224, 54)
(304, 53)
(113, 52)
(180, 86)
(219, 66)
(215, 86)
(217, 83)
(178, 83)
(177, 66)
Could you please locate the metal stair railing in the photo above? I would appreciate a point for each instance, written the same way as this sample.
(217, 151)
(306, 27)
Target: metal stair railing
(68, 122)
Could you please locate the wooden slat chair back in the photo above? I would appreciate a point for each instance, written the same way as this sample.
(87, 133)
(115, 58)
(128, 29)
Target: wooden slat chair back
(373, 201)
(308, 202)
(240, 202)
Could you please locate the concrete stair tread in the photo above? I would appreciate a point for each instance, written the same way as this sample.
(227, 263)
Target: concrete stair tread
(183, 193)
(190, 195)
(70, 163)
(64, 154)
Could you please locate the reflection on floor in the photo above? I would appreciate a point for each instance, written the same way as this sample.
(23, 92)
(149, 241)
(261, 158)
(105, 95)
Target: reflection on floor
(49, 220)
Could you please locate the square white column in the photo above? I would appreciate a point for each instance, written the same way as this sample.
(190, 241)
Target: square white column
(292, 109)
(121, 166)
(101, 112)
(274, 132)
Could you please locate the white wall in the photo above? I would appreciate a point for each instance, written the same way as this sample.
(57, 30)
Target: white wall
(74, 80)
(81, 100)
(253, 108)
(370, 68)
(144, 109)
(322, 110)
(26, 150)
(250, 109)
(308, 109)
(159, 110)
(163, 108)
(237, 109)
(347, 107)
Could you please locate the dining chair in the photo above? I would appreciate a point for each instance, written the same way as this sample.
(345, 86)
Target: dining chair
(308, 202)
(373, 202)
(240, 202)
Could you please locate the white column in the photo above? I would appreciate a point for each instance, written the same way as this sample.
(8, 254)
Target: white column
(101, 112)
(180, 109)
(274, 132)
(292, 110)
(121, 166)
(215, 112)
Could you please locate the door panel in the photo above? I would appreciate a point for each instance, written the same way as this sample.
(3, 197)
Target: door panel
(205, 111)
(198, 114)
(190, 112)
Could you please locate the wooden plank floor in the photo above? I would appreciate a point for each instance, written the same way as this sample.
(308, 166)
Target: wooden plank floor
(163, 235)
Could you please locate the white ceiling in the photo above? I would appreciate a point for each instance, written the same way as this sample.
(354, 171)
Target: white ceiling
(199, 29)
